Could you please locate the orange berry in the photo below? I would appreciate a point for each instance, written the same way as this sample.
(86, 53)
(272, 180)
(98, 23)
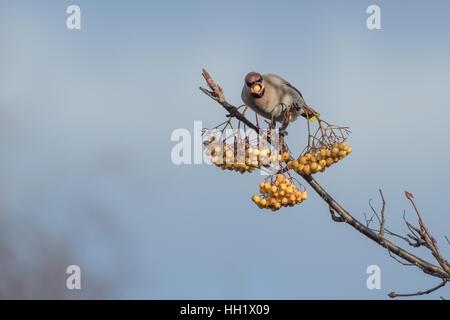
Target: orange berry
(335, 151)
(329, 162)
(306, 169)
(272, 201)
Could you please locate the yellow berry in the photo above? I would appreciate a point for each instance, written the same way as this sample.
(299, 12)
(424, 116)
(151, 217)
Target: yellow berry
(256, 199)
(306, 169)
(342, 145)
(329, 161)
(272, 201)
(335, 151)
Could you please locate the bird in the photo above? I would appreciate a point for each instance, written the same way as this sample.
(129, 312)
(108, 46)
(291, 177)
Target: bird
(269, 95)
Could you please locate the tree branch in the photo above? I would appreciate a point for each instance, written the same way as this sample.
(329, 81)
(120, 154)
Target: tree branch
(441, 271)
(394, 295)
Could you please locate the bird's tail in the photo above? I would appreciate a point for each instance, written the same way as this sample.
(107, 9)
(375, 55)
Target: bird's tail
(309, 113)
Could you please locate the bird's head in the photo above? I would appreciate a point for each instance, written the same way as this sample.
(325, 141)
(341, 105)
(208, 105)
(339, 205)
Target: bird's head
(255, 82)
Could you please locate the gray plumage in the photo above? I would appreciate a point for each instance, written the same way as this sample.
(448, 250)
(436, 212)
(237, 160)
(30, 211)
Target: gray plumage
(278, 94)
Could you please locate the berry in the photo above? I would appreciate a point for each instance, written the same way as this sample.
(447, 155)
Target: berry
(313, 162)
(277, 194)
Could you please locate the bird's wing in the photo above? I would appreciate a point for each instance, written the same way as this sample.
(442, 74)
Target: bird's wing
(292, 87)
(309, 113)
(277, 79)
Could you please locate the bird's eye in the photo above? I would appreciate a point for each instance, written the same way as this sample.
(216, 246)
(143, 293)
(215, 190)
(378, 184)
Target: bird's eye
(249, 84)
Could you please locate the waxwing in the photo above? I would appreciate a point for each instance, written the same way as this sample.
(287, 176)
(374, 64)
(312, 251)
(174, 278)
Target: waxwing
(270, 95)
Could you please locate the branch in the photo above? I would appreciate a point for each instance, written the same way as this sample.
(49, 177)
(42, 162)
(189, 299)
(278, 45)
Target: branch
(428, 238)
(382, 215)
(425, 266)
(334, 217)
(394, 295)
(217, 95)
(428, 268)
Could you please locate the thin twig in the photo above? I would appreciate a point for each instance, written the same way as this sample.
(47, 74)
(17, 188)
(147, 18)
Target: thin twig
(394, 295)
(382, 215)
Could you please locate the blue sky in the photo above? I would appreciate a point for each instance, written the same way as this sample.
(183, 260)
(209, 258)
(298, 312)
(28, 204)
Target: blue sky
(85, 124)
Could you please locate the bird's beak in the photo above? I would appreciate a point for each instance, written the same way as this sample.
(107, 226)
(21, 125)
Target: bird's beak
(257, 89)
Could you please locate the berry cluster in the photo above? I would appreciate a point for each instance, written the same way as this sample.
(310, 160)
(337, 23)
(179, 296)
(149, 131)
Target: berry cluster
(241, 157)
(281, 193)
(312, 162)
